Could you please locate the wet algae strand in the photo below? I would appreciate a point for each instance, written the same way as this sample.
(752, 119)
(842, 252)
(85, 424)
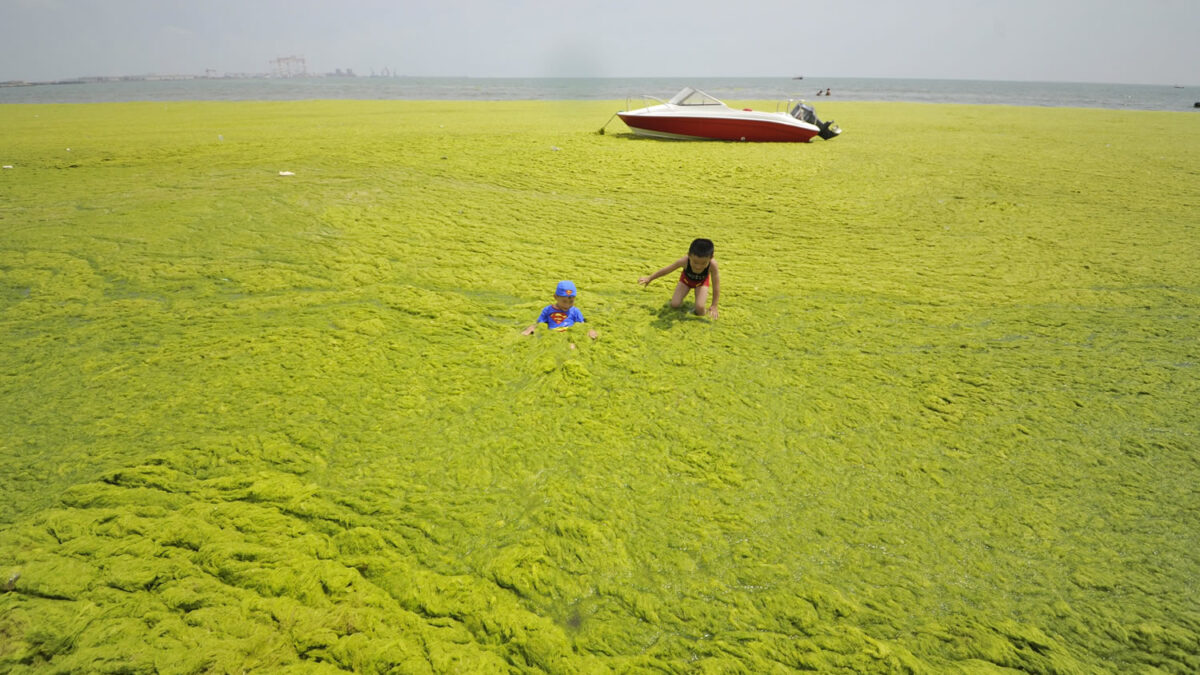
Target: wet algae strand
(277, 422)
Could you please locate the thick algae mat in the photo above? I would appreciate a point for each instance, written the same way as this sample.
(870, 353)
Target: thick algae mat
(252, 422)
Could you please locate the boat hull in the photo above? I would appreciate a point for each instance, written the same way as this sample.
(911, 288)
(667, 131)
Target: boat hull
(719, 128)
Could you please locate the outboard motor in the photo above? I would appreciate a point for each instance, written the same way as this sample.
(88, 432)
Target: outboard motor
(805, 113)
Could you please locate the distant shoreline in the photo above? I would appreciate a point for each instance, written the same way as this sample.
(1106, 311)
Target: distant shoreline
(350, 74)
(108, 79)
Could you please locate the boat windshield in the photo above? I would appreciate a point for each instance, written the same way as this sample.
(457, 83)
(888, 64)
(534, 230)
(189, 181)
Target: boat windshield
(689, 96)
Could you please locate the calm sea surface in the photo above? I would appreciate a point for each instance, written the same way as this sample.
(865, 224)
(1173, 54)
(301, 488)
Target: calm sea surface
(1054, 94)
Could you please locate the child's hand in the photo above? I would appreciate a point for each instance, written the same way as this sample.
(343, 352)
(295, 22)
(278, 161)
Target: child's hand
(712, 311)
(593, 334)
(529, 331)
(645, 281)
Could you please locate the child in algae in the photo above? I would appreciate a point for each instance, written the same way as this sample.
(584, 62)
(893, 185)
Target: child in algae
(699, 272)
(562, 313)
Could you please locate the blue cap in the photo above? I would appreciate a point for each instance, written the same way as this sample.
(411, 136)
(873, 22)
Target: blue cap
(565, 289)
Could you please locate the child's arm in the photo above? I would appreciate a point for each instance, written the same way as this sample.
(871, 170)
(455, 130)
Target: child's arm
(716, 288)
(579, 317)
(645, 281)
(541, 319)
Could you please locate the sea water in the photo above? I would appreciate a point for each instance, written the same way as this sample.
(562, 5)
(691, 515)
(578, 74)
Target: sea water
(1044, 94)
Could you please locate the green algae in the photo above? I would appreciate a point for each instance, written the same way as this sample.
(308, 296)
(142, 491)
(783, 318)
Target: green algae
(272, 423)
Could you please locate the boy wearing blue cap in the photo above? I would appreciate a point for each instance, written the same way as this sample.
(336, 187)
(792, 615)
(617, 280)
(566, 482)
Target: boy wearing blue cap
(563, 313)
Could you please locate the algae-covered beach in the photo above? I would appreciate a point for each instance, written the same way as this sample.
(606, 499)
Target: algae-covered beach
(288, 423)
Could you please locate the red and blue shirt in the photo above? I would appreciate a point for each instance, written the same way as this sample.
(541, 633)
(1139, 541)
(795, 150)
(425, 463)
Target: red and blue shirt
(560, 319)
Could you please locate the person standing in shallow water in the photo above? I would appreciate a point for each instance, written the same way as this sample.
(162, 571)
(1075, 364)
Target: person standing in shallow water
(699, 273)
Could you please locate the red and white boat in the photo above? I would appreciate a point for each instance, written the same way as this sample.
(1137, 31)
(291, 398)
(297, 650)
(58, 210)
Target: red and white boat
(693, 114)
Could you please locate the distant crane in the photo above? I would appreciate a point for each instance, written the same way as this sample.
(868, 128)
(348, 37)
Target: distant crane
(290, 66)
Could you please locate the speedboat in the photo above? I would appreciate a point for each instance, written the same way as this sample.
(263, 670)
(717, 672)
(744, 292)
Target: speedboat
(693, 114)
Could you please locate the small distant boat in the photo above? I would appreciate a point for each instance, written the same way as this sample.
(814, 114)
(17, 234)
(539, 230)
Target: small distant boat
(693, 114)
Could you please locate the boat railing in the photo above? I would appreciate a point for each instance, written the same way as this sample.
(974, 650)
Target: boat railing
(789, 106)
(646, 98)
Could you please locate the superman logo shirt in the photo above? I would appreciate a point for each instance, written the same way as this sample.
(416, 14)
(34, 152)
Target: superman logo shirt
(560, 319)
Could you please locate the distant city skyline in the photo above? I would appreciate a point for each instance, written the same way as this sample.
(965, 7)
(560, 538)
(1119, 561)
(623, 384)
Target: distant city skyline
(1151, 42)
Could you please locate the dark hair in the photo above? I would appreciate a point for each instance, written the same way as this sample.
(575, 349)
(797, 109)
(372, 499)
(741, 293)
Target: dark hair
(701, 247)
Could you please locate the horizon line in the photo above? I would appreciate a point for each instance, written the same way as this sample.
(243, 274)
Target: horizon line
(350, 74)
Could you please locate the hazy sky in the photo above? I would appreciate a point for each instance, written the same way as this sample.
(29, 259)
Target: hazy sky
(1126, 41)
